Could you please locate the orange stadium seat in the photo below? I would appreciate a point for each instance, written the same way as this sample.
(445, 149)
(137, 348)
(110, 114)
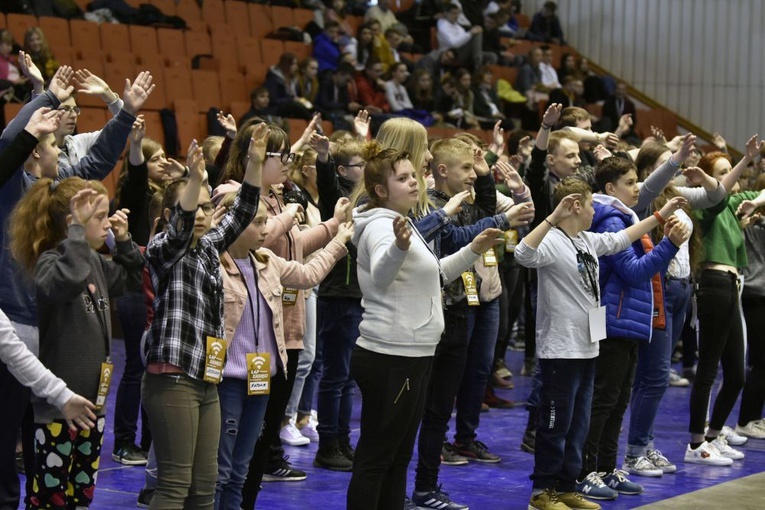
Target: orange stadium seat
(299, 49)
(237, 17)
(188, 10)
(3, 22)
(10, 110)
(282, 16)
(225, 51)
(177, 83)
(271, 50)
(233, 88)
(206, 89)
(260, 20)
(248, 50)
(198, 43)
(213, 11)
(255, 75)
(115, 36)
(302, 17)
(171, 42)
(143, 40)
(92, 119)
(121, 57)
(154, 126)
(117, 72)
(86, 34)
(166, 6)
(18, 25)
(239, 108)
(56, 31)
(88, 53)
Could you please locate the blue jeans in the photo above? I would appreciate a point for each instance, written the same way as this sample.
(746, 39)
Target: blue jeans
(241, 418)
(339, 320)
(483, 324)
(564, 418)
(651, 381)
(677, 297)
(306, 357)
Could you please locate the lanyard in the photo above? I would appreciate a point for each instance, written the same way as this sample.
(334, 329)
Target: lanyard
(101, 321)
(583, 258)
(254, 308)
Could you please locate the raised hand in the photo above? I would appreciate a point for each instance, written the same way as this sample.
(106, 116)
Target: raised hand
(137, 92)
(294, 210)
(403, 233)
(679, 233)
(695, 176)
(497, 138)
(658, 134)
(89, 83)
(753, 147)
(485, 240)
(31, 71)
(84, 205)
(320, 144)
(44, 121)
(552, 114)
(258, 142)
(361, 124)
(510, 175)
(342, 209)
(565, 208)
(625, 123)
(138, 131)
(217, 215)
(60, 83)
(521, 214)
(525, 146)
(719, 142)
(345, 232)
(675, 144)
(78, 412)
(119, 222)
(601, 153)
(689, 142)
(746, 209)
(196, 162)
(480, 165)
(174, 169)
(454, 205)
(224, 189)
(228, 123)
(671, 206)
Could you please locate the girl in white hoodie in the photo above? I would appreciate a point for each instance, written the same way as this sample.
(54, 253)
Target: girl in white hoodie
(400, 279)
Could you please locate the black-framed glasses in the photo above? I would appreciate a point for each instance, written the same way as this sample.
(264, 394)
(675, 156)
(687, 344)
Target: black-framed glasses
(207, 208)
(286, 157)
(69, 109)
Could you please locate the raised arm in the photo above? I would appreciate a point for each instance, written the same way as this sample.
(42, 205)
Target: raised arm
(662, 176)
(42, 122)
(305, 276)
(753, 147)
(634, 232)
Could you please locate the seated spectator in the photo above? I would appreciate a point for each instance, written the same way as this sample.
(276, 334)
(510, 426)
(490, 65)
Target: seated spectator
(334, 98)
(371, 88)
(467, 44)
(362, 47)
(326, 49)
(260, 107)
(307, 85)
(438, 63)
(594, 88)
(387, 53)
(398, 96)
(466, 97)
(422, 93)
(486, 104)
(14, 86)
(570, 94)
(545, 25)
(36, 46)
(549, 74)
(492, 38)
(382, 13)
(337, 13)
(510, 28)
(567, 66)
(616, 106)
(281, 82)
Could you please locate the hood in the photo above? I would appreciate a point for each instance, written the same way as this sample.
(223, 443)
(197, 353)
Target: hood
(362, 217)
(617, 208)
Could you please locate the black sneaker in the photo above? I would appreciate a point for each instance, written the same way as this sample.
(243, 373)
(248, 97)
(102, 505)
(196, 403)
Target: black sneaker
(436, 499)
(144, 498)
(477, 451)
(283, 472)
(450, 457)
(528, 443)
(330, 456)
(347, 448)
(129, 455)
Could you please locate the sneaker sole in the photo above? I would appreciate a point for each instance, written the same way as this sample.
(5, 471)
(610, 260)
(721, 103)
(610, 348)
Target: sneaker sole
(272, 478)
(706, 463)
(333, 468)
(652, 474)
(482, 461)
(630, 493)
(296, 443)
(125, 462)
(526, 448)
(599, 498)
(455, 463)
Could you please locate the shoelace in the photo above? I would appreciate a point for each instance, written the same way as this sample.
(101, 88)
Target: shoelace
(481, 447)
(655, 455)
(441, 495)
(596, 479)
(552, 495)
(644, 463)
(620, 475)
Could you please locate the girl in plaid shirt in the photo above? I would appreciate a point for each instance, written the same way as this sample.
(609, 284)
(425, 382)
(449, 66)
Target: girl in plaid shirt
(179, 388)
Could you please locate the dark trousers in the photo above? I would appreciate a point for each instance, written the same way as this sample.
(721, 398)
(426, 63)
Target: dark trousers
(614, 373)
(564, 417)
(753, 396)
(530, 310)
(281, 389)
(18, 414)
(392, 398)
(509, 304)
(448, 367)
(721, 340)
(131, 311)
(338, 325)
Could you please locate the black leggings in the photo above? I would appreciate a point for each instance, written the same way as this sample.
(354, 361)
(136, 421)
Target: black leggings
(721, 340)
(753, 396)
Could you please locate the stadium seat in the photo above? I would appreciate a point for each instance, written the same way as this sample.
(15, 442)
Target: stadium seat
(143, 40)
(237, 17)
(115, 37)
(206, 89)
(86, 34)
(171, 42)
(18, 25)
(56, 31)
(233, 88)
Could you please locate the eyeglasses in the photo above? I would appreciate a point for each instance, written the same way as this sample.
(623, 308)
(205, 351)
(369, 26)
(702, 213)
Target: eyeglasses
(207, 208)
(69, 109)
(286, 157)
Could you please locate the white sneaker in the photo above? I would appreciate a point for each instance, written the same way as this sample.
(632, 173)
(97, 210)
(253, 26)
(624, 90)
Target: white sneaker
(732, 437)
(677, 380)
(290, 435)
(721, 445)
(309, 430)
(640, 466)
(753, 429)
(706, 454)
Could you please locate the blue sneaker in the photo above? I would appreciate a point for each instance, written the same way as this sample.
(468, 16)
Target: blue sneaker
(593, 487)
(437, 499)
(618, 481)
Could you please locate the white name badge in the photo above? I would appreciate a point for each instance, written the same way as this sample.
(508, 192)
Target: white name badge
(597, 318)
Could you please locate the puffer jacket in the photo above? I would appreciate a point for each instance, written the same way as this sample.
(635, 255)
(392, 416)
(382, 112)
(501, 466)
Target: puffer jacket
(625, 277)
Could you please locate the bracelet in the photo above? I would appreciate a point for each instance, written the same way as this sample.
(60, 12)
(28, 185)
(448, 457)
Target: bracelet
(545, 126)
(550, 223)
(658, 217)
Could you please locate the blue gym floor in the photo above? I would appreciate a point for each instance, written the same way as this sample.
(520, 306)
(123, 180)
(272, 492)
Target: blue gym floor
(505, 485)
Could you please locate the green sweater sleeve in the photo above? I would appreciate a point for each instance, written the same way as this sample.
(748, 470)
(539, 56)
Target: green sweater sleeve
(722, 236)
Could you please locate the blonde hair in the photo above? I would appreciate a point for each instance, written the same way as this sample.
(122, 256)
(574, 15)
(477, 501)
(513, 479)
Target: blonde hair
(381, 163)
(556, 137)
(569, 186)
(448, 150)
(38, 222)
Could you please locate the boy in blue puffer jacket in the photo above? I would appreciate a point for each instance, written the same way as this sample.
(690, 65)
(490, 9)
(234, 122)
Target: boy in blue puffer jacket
(633, 294)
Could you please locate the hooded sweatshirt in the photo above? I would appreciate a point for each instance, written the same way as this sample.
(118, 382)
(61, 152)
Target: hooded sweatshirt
(403, 315)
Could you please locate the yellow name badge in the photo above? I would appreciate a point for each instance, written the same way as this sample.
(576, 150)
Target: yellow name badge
(511, 240)
(258, 373)
(471, 288)
(214, 360)
(490, 258)
(104, 383)
(289, 297)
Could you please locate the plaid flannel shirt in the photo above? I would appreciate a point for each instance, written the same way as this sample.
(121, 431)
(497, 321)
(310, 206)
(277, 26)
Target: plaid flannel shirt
(188, 286)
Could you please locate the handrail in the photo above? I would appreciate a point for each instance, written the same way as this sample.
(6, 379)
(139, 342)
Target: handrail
(681, 121)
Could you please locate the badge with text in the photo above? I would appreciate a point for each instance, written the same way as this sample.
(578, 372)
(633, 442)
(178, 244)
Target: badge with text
(258, 373)
(105, 381)
(214, 360)
(471, 288)
(289, 297)
(511, 240)
(490, 258)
